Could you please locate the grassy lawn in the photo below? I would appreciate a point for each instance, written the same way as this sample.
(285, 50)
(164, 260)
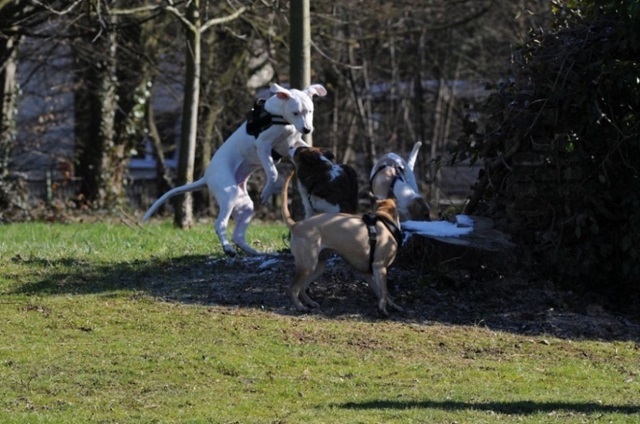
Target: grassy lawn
(91, 330)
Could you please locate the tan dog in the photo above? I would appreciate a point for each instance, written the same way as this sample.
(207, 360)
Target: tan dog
(348, 236)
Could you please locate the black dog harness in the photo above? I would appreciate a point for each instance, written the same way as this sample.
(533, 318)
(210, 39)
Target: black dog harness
(370, 220)
(258, 119)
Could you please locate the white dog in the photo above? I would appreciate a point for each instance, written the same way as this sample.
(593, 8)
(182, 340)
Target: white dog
(392, 176)
(272, 128)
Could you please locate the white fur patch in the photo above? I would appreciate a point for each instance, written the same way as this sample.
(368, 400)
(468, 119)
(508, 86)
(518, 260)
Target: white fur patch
(321, 205)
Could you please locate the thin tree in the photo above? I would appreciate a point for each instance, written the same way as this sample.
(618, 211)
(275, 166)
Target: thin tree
(300, 47)
(183, 215)
(8, 97)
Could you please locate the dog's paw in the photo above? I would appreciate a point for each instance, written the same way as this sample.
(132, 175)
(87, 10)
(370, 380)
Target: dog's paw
(396, 306)
(308, 301)
(229, 251)
(313, 304)
(383, 304)
(301, 308)
(382, 308)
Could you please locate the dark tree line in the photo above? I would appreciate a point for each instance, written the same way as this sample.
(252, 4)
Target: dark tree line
(375, 59)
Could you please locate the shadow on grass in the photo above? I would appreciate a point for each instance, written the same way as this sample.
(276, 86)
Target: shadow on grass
(262, 282)
(507, 408)
(201, 279)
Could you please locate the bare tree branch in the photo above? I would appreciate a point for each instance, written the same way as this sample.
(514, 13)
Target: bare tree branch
(57, 12)
(218, 21)
(332, 60)
(175, 12)
(135, 10)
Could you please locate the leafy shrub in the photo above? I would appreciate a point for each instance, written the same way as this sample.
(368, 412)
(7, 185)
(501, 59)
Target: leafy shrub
(560, 141)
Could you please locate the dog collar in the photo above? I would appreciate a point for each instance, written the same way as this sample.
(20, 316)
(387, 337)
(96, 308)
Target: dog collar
(258, 119)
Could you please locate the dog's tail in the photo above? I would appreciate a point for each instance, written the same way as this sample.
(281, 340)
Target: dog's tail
(286, 216)
(411, 160)
(196, 185)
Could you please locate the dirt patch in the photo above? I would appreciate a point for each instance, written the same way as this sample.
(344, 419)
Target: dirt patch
(479, 297)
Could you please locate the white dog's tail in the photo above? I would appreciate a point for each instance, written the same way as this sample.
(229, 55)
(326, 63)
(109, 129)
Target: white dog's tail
(411, 160)
(196, 185)
(286, 216)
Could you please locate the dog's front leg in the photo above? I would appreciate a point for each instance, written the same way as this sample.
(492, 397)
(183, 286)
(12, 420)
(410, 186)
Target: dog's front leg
(264, 154)
(378, 283)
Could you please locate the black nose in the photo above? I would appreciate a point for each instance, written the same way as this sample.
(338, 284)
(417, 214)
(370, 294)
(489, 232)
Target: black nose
(306, 131)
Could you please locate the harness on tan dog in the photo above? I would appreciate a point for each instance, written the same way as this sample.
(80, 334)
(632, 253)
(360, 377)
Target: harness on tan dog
(258, 119)
(370, 220)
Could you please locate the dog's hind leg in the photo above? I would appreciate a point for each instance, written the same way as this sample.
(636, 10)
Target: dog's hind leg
(242, 214)
(317, 272)
(298, 290)
(233, 200)
(221, 230)
(226, 202)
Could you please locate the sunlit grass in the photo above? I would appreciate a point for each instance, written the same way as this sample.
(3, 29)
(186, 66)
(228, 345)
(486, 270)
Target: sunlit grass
(82, 340)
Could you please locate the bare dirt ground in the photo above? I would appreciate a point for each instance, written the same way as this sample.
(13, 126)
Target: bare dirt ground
(480, 296)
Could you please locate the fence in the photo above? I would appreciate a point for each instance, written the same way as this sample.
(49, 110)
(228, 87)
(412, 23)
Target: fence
(140, 192)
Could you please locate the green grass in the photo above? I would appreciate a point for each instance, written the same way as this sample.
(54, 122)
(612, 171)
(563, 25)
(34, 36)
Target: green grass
(85, 336)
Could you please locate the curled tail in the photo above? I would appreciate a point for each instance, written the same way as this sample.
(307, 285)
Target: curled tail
(286, 216)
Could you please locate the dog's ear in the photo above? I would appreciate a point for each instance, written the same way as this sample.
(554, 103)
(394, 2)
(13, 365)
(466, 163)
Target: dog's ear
(280, 92)
(328, 154)
(316, 90)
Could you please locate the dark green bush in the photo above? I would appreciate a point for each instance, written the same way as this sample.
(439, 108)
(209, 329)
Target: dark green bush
(560, 140)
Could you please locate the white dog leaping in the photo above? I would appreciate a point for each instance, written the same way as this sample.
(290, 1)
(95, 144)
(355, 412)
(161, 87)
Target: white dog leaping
(272, 128)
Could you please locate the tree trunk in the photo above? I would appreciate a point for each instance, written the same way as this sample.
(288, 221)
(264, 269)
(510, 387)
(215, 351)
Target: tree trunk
(208, 114)
(9, 97)
(300, 48)
(300, 41)
(183, 217)
(133, 97)
(95, 106)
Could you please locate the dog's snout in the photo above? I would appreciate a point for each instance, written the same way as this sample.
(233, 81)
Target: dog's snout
(306, 130)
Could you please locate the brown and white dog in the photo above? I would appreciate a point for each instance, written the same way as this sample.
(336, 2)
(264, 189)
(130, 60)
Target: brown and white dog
(370, 252)
(392, 176)
(324, 185)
